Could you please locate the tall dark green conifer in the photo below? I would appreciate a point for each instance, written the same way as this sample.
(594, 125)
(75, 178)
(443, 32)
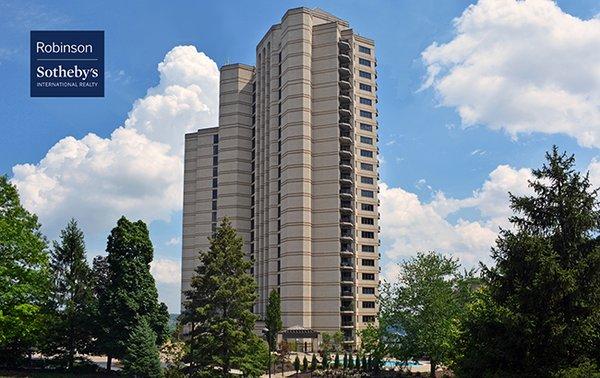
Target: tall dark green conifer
(219, 304)
(141, 354)
(273, 319)
(131, 291)
(72, 294)
(540, 310)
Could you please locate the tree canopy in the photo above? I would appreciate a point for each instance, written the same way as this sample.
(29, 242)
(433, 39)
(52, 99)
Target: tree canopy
(24, 276)
(540, 308)
(218, 307)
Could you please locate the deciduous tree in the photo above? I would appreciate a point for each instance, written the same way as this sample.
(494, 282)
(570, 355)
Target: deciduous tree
(24, 277)
(423, 309)
(131, 292)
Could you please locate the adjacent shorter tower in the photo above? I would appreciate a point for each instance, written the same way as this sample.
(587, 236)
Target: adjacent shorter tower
(293, 163)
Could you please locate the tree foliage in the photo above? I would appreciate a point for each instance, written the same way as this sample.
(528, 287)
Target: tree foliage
(141, 357)
(541, 309)
(130, 292)
(24, 276)
(72, 295)
(218, 307)
(421, 312)
(273, 321)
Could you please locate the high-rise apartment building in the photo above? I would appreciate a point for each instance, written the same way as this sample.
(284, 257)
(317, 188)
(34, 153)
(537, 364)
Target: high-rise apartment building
(293, 164)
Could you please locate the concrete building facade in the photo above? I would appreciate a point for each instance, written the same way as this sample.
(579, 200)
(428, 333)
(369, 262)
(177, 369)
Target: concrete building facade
(293, 163)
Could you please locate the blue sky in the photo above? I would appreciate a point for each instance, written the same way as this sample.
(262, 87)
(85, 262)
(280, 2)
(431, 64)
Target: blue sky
(442, 166)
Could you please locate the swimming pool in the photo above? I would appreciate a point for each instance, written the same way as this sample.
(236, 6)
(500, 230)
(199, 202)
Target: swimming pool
(396, 363)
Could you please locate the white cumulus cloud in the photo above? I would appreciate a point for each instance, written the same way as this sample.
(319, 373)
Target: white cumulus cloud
(409, 225)
(522, 67)
(138, 170)
(166, 271)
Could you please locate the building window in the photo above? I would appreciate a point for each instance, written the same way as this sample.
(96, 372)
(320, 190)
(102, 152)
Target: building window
(215, 149)
(366, 127)
(368, 248)
(366, 180)
(368, 276)
(368, 262)
(215, 160)
(366, 140)
(368, 318)
(364, 62)
(368, 304)
(367, 207)
(368, 290)
(214, 194)
(214, 216)
(366, 114)
(366, 166)
(367, 193)
(364, 87)
(364, 220)
(214, 183)
(366, 153)
(364, 49)
(366, 101)
(367, 234)
(364, 74)
(216, 138)
(214, 205)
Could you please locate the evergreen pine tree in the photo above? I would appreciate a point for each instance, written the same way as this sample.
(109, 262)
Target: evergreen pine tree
(273, 319)
(72, 295)
(364, 363)
(297, 364)
(336, 362)
(345, 360)
(141, 357)
(357, 362)
(314, 363)
(350, 362)
(304, 364)
(218, 306)
(370, 363)
(131, 290)
(539, 311)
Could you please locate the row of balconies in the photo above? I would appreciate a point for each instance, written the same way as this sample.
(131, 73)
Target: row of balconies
(346, 191)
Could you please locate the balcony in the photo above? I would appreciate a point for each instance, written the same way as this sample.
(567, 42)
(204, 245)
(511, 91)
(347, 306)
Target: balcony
(345, 84)
(346, 193)
(346, 220)
(345, 72)
(345, 99)
(345, 137)
(344, 58)
(344, 46)
(346, 178)
(345, 165)
(345, 293)
(345, 152)
(347, 309)
(346, 250)
(346, 235)
(345, 113)
(346, 207)
(347, 264)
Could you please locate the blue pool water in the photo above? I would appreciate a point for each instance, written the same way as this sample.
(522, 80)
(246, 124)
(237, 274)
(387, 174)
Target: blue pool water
(395, 363)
